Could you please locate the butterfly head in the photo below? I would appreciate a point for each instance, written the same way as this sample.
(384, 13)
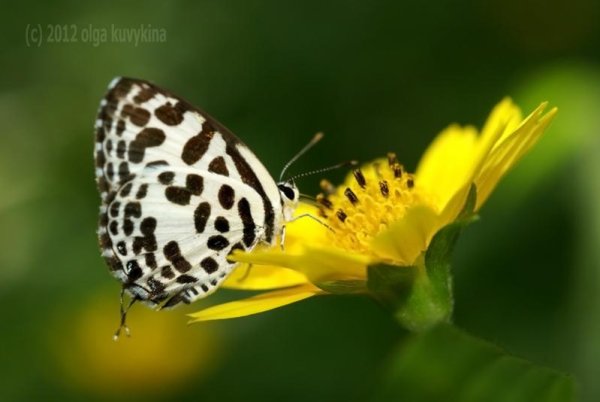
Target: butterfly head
(289, 198)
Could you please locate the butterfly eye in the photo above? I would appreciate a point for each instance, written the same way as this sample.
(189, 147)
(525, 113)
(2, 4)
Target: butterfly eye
(289, 192)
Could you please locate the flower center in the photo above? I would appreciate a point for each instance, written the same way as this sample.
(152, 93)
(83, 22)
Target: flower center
(367, 203)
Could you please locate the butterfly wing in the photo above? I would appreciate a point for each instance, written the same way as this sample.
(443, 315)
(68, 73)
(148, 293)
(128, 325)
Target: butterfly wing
(179, 193)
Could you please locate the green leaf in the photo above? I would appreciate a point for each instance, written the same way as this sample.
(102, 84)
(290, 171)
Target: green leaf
(421, 296)
(447, 365)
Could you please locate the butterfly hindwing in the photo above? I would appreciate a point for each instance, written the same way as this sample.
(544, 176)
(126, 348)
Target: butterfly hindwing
(170, 235)
(179, 193)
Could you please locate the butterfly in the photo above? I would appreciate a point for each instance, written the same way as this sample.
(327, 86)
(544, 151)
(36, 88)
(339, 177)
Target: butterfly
(179, 193)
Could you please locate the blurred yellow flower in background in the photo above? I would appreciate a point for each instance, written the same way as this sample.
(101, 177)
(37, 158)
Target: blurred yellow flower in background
(159, 357)
(383, 215)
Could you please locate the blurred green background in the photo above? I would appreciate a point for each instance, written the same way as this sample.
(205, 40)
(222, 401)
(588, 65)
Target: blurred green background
(375, 77)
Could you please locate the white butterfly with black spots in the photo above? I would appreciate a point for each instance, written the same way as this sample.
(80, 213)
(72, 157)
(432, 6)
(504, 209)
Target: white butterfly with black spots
(179, 193)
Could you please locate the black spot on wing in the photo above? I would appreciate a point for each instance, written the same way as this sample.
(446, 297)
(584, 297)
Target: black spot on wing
(155, 164)
(137, 245)
(142, 191)
(167, 272)
(114, 228)
(124, 174)
(100, 159)
(145, 94)
(222, 224)
(218, 166)
(100, 134)
(133, 209)
(194, 183)
(226, 196)
(178, 195)
(148, 241)
(114, 209)
(137, 115)
(148, 226)
(197, 146)
(209, 265)
(186, 279)
(173, 254)
(120, 127)
(156, 286)
(102, 184)
(122, 248)
(201, 215)
(125, 190)
(169, 114)
(128, 227)
(166, 178)
(110, 171)
(148, 137)
(217, 242)
(249, 225)
(121, 148)
(150, 260)
(133, 270)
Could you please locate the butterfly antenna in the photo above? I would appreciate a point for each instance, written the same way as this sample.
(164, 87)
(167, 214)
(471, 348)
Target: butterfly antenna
(337, 166)
(308, 146)
(309, 199)
(123, 313)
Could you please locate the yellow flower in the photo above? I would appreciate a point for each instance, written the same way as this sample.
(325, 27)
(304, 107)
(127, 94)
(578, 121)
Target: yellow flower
(159, 358)
(382, 215)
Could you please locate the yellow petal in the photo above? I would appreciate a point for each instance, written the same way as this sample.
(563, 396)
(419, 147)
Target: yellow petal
(458, 153)
(505, 117)
(455, 206)
(274, 274)
(256, 304)
(263, 277)
(326, 263)
(316, 262)
(405, 240)
(447, 164)
(510, 149)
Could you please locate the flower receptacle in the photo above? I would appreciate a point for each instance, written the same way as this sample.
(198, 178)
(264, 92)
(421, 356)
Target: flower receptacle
(420, 296)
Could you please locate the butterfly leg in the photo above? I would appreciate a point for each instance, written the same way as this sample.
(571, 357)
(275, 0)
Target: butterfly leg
(314, 218)
(123, 312)
(282, 238)
(250, 265)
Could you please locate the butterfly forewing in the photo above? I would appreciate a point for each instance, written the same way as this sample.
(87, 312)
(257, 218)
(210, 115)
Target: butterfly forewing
(179, 194)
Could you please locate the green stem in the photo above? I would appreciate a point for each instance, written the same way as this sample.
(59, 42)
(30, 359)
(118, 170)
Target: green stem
(417, 299)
